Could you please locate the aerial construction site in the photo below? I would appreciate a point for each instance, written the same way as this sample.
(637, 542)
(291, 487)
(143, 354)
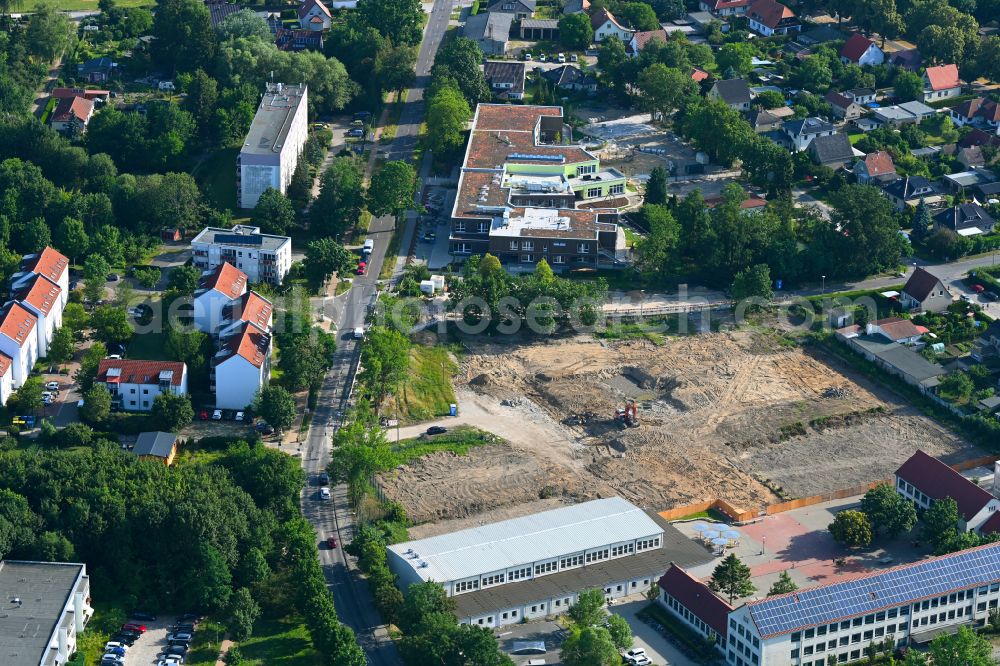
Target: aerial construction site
(734, 415)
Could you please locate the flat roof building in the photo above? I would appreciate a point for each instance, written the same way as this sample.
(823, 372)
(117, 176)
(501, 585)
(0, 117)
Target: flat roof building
(261, 257)
(274, 143)
(537, 565)
(45, 605)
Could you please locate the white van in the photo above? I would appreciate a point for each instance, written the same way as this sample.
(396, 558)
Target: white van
(368, 246)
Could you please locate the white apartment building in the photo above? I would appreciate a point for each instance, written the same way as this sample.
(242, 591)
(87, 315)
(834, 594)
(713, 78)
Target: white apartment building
(18, 340)
(908, 605)
(48, 262)
(6, 378)
(43, 298)
(134, 385)
(46, 607)
(535, 566)
(216, 290)
(262, 257)
(242, 366)
(274, 143)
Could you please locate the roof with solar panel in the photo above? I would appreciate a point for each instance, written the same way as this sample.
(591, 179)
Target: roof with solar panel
(901, 585)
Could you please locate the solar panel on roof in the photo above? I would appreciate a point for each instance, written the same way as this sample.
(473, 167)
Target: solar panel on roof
(239, 239)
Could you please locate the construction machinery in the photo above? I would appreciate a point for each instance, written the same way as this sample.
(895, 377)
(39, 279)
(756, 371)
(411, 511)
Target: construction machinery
(628, 416)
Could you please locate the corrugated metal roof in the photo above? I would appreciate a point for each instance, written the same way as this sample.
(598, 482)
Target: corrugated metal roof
(520, 541)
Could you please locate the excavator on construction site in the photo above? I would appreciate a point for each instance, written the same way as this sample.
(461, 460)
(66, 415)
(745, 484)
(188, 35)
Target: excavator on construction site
(628, 417)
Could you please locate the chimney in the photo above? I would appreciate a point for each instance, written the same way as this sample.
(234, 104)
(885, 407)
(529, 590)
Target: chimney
(79, 612)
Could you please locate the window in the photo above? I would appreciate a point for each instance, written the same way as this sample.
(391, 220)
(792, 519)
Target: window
(463, 248)
(513, 245)
(623, 549)
(518, 574)
(574, 561)
(558, 259)
(464, 585)
(821, 631)
(527, 258)
(810, 633)
(513, 613)
(545, 568)
(484, 227)
(460, 227)
(528, 246)
(495, 579)
(617, 189)
(584, 169)
(593, 192)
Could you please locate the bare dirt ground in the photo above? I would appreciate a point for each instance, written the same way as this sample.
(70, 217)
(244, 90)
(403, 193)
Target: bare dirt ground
(725, 415)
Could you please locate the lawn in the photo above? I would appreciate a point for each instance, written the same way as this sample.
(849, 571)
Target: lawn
(457, 440)
(149, 347)
(205, 644)
(282, 642)
(710, 514)
(80, 5)
(216, 177)
(108, 618)
(426, 392)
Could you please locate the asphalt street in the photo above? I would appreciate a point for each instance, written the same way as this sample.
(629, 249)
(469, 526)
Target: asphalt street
(334, 517)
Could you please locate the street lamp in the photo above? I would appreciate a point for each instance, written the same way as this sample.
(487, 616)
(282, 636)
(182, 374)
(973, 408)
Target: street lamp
(824, 284)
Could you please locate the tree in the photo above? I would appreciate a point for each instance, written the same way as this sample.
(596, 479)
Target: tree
(965, 647)
(207, 584)
(203, 91)
(989, 58)
(62, 346)
(656, 186)
(851, 528)
(737, 56)
(111, 324)
(638, 15)
(956, 386)
(783, 585)
(18, 524)
(425, 604)
(657, 252)
(664, 88)
(575, 31)
(49, 32)
(244, 23)
(399, 20)
(447, 114)
(341, 197)
(939, 521)
(588, 611)
(71, 238)
(276, 406)
(92, 358)
(942, 44)
(385, 358)
(324, 257)
(392, 189)
(909, 86)
(620, 631)
(28, 398)
(460, 59)
(147, 277)
(243, 612)
(770, 99)
(922, 222)
(274, 213)
(184, 36)
(814, 74)
(33, 235)
(171, 412)
(732, 578)
(96, 405)
(888, 511)
(394, 67)
(95, 276)
(753, 283)
(184, 279)
(590, 646)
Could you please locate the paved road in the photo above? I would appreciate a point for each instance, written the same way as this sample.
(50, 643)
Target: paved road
(334, 517)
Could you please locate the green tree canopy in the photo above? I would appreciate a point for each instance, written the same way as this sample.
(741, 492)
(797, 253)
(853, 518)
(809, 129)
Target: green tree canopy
(276, 406)
(590, 646)
(888, 511)
(732, 578)
(575, 31)
(274, 213)
(392, 189)
(851, 528)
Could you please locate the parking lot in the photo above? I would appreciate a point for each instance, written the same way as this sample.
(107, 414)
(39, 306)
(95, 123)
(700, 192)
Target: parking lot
(148, 647)
(431, 247)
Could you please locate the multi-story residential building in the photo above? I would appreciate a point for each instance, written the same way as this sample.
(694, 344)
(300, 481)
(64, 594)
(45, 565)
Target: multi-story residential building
(242, 366)
(18, 340)
(46, 607)
(49, 263)
(274, 143)
(537, 565)
(250, 307)
(768, 17)
(43, 298)
(924, 479)
(262, 257)
(6, 378)
(521, 180)
(134, 385)
(216, 290)
(906, 605)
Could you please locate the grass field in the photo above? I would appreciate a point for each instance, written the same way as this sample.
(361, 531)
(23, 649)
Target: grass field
(148, 346)
(283, 642)
(81, 5)
(427, 391)
(217, 178)
(457, 440)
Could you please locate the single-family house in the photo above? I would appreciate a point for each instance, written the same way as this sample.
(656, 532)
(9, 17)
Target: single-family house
(978, 137)
(862, 96)
(88, 93)
(735, 93)
(896, 329)
(43, 298)
(908, 191)
(219, 10)
(18, 340)
(506, 79)
(241, 367)
(96, 70)
(766, 120)
(908, 59)
(843, 107)
(698, 75)
(979, 112)
(606, 25)
(521, 9)
(6, 378)
(157, 446)
(724, 7)
(640, 39)
(923, 480)
(967, 219)
(924, 291)
(801, 132)
(971, 157)
(72, 115)
(941, 82)
(50, 263)
(314, 15)
(875, 169)
(298, 40)
(569, 77)
(135, 384)
(216, 290)
(860, 50)
(491, 30)
(769, 17)
(833, 150)
(987, 345)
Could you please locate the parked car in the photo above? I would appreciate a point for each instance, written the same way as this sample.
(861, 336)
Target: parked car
(264, 428)
(203, 415)
(143, 615)
(562, 58)
(324, 493)
(175, 649)
(978, 288)
(52, 386)
(359, 333)
(573, 58)
(240, 416)
(527, 56)
(115, 644)
(437, 430)
(331, 542)
(362, 268)
(356, 132)
(217, 415)
(113, 277)
(179, 636)
(324, 479)
(133, 626)
(117, 651)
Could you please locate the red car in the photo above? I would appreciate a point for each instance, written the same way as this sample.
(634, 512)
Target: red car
(978, 288)
(331, 542)
(131, 626)
(362, 267)
(203, 415)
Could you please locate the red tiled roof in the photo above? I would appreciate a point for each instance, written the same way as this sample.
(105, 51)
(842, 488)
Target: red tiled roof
(990, 111)
(697, 598)
(140, 372)
(943, 77)
(728, 4)
(226, 279)
(251, 343)
(855, 47)
(69, 107)
(749, 203)
(254, 308)
(978, 137)
(643, 38)
(937, 480)
(309, 4)
(897, 328)
(49, 263)
(61, 93)
(16, 323)
(698, 75)
(969, 108)
(769, 12)
(5, 363)
(41, 294)
(879, 163)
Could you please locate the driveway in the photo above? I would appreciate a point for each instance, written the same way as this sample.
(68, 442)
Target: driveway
(804, 200)
(145, 650)
(658, 649)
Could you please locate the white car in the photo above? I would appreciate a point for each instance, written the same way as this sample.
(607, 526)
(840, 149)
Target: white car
(359, 333)
(562, 57)
(527, 56)
(240, 416)
(172, 660)
(324, 493)
(635, 653)
(52, 386)
(217, 415)
(114, 357)
(115, 644)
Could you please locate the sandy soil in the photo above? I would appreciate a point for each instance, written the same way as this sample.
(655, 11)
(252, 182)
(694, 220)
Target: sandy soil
(723, 415)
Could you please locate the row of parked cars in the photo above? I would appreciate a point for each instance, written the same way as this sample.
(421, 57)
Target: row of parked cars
(178, 640)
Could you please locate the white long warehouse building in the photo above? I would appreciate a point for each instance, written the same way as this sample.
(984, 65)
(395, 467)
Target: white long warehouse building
(536, 565)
